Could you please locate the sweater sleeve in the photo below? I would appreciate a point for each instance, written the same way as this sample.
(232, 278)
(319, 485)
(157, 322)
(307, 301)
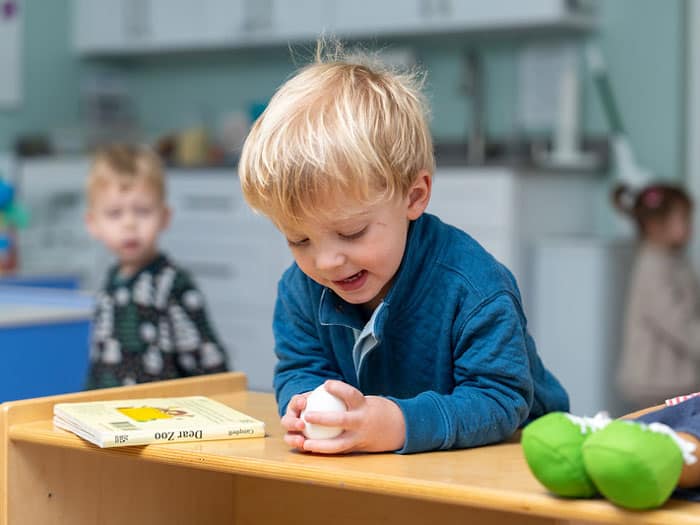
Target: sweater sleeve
(493, 384)
(194, 339)
(302, 364)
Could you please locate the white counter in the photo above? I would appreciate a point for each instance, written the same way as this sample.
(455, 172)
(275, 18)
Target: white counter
(23, 306)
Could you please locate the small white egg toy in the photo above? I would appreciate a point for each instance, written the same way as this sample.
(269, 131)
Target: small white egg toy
(320, 400)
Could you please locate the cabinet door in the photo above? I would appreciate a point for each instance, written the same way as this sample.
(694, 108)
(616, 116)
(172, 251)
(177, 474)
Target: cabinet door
(301, 19)
(482, 199)
(370, 18)
(236, 257)
(494, 14)
(177, 23)
(98, 25)
(367, 17)
(56, 240)
(112, 26)
(280, 21)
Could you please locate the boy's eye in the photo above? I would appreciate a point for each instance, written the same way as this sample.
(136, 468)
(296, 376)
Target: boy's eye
(143, 211)
(113, 213)
(297, 244)
(354, 235)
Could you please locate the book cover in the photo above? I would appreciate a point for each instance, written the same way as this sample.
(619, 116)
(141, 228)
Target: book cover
(118, 423)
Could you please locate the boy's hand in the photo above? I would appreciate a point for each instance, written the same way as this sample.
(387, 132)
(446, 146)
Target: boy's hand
(371, 423)
(292, 421)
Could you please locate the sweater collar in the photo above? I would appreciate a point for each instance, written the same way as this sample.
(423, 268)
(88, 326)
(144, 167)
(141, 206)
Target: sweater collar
(156, 264)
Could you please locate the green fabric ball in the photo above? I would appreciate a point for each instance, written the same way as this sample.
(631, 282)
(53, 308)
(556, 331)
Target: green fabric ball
(633, 466)
(552, 446)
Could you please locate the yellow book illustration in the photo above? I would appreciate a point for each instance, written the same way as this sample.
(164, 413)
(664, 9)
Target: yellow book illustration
(155, 420)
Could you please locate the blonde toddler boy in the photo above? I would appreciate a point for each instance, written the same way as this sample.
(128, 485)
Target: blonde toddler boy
(408, 320)
(150, 322)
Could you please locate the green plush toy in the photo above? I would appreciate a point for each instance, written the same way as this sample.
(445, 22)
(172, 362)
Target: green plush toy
(634, 465)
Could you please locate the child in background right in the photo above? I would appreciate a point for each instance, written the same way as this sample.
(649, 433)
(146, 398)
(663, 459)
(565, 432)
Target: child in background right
(638, 461)
(661, 340)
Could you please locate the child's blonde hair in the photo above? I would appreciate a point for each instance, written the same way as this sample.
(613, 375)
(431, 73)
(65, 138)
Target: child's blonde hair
(341, 126)
(126, 165)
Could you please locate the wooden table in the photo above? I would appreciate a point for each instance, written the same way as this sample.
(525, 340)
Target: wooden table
(53, 477)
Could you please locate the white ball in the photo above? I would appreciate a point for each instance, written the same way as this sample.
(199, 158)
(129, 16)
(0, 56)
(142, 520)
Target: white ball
(320, 400)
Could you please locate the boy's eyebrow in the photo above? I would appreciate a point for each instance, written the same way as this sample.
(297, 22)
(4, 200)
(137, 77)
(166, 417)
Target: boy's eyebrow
(329, 222)
(341, 219)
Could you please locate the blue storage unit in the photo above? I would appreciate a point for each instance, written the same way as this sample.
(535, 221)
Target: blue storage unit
(44, 341)
(61, 281)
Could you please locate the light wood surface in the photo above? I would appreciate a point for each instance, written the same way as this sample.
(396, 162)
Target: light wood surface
(259, 480)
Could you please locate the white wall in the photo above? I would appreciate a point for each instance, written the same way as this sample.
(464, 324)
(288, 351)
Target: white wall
(693, 118)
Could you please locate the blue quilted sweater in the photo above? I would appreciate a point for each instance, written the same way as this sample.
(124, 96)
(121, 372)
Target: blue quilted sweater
(453, 348)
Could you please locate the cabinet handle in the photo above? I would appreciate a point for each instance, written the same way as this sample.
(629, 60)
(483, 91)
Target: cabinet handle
(446, 8)
(257, 15)
(425, 8)
(208, 269)
(136, 18)
(208, 202)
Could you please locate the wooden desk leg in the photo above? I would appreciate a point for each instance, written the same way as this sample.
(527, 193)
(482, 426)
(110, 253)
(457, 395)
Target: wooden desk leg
(69, 487)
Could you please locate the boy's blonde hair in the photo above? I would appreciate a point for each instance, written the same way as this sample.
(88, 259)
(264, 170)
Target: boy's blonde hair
(125, 165)
(340, 126)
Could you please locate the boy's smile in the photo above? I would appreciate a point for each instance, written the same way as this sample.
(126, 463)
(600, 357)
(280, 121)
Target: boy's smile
(353, 282)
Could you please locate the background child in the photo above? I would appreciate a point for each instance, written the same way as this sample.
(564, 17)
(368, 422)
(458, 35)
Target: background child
(661, 343)
(406, 319)
(150, 322)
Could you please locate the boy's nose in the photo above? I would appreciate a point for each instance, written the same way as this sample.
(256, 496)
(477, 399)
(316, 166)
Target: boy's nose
(329, 259)
(129, 219)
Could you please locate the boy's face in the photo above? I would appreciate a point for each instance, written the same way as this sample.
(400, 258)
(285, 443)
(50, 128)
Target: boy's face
(128, 221)
(358, 254)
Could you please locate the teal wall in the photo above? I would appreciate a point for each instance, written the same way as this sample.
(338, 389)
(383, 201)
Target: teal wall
(642, 41)
(50, 74)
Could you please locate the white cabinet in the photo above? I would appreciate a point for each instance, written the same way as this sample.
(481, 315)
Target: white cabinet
(56, 240)
(236, 257)
(369, 17)
(366, 18)
(280, 21)
(580, 287)
(138, 26)
(507, 211)
(99, 25)
(123, 26)
(504, 14)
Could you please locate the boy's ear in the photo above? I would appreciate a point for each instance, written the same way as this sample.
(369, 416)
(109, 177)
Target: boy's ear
(167, 216)
(90, 224)
(419, 194)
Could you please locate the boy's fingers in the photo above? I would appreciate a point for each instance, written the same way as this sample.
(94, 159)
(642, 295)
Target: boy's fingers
(351, 420)
(296, 405)
(350, 395)
(292, 423)
(328, 446)
(327, 419)
(295, 440)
